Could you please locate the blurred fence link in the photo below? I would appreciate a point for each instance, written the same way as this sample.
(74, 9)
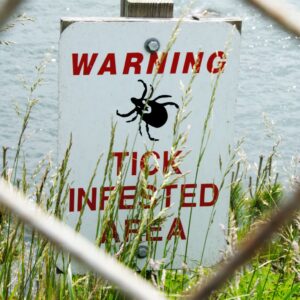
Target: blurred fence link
(254, 242)
(66, 239)
(282, 12)
(7, 9)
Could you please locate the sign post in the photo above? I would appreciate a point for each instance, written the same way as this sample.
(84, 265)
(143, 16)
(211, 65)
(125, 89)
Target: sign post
(146, 76)
(147, 8)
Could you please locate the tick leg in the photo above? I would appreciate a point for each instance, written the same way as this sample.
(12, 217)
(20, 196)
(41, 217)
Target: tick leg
(171, 103)
(162, 96)
(150, 137)
(134, 118)
(140, 129)
(126, 115)
(152, 91)
(145, 89)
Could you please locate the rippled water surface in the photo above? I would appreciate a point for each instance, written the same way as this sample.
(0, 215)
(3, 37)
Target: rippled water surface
(269, 79)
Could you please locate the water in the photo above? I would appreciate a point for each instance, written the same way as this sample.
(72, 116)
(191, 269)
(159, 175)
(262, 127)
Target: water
(269, 79)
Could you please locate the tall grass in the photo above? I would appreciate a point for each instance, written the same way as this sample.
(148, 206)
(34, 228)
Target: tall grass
(28, 262)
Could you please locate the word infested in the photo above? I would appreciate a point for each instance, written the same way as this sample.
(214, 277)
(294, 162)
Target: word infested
(138, 63)
(190, 194)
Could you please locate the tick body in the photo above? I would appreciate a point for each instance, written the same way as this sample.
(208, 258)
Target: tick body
(150, 111)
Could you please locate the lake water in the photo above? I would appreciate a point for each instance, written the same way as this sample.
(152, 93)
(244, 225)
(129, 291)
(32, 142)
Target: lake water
(269, 77)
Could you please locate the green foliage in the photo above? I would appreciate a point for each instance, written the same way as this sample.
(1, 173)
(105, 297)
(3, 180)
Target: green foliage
(259, 282)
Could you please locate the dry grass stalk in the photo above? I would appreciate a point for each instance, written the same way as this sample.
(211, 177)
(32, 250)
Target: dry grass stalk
(257, 240)
(77, 246)
(286, 15)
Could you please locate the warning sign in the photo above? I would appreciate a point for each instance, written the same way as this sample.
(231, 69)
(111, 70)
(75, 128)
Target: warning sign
(157, 102)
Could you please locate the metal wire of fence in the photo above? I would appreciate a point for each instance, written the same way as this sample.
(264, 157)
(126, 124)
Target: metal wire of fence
(280, 11)
(76, 245)
(7, 9)
(251, 246)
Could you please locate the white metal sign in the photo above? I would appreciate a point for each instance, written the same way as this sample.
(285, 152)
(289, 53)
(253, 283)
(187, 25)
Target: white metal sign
(135, 73)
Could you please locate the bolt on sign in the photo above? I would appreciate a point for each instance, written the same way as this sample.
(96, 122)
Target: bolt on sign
(153, 190)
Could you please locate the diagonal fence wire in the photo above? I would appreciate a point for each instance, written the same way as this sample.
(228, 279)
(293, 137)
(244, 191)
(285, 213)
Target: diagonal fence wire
(263, 235)
(284, 14)
(76, 245)
(7, 9)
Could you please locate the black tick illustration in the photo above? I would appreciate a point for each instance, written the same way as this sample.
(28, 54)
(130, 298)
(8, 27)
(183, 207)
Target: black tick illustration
(152, 113)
